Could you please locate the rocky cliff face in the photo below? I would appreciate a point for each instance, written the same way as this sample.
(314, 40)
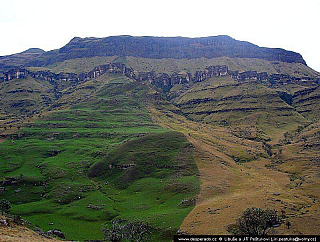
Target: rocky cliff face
(162, 80)
(165, 47)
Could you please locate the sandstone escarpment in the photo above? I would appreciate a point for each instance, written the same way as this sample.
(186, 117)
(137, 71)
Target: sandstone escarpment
(162, 80)
(165, 47)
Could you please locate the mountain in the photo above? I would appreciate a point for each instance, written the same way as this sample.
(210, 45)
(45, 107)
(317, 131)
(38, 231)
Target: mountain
(33, 51)
(156, 129)
(164, 47)
(19, 59)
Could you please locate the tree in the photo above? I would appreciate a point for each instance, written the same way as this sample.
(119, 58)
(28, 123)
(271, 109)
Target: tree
(5, 205)
(121, 230)
(17, 219)
(288, 224)
(257, 221)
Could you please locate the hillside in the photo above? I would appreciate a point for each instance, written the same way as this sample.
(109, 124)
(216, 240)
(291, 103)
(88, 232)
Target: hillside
(246, 107)
(19, 59)
(12, 232)
(170, 65)
(106, 129)
(244, 163)
(88, 124)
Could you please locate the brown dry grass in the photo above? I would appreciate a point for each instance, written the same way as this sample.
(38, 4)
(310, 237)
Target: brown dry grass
(18, 233)
(228, 188)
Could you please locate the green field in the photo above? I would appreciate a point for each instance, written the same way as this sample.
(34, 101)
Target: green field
(51, 158)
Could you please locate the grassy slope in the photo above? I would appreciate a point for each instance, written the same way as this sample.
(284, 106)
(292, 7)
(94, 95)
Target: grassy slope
(177, 65)
(22, 96)
(57, 150)
(308, 103)
(21, 100)
(229, 187)
(249, 108)
(19, 59)
(299, 158)
(77, 65)
(224, 139)
(241, 64)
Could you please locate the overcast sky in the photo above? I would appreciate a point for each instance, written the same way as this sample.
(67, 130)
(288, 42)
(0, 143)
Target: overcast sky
(289, 24)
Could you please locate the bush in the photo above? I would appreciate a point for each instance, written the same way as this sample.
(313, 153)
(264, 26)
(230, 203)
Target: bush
(256, 221)
(5, 205)
(120, 230)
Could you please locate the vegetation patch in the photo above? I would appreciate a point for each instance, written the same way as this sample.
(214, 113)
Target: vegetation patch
(54, 154)
(147, 156)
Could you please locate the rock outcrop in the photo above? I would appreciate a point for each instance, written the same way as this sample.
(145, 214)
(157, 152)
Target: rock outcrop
(56, 233)
(162, 80)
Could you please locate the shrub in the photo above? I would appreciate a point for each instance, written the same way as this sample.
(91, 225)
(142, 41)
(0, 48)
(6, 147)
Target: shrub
(256, 221)
(121, 230)
(5, 205)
